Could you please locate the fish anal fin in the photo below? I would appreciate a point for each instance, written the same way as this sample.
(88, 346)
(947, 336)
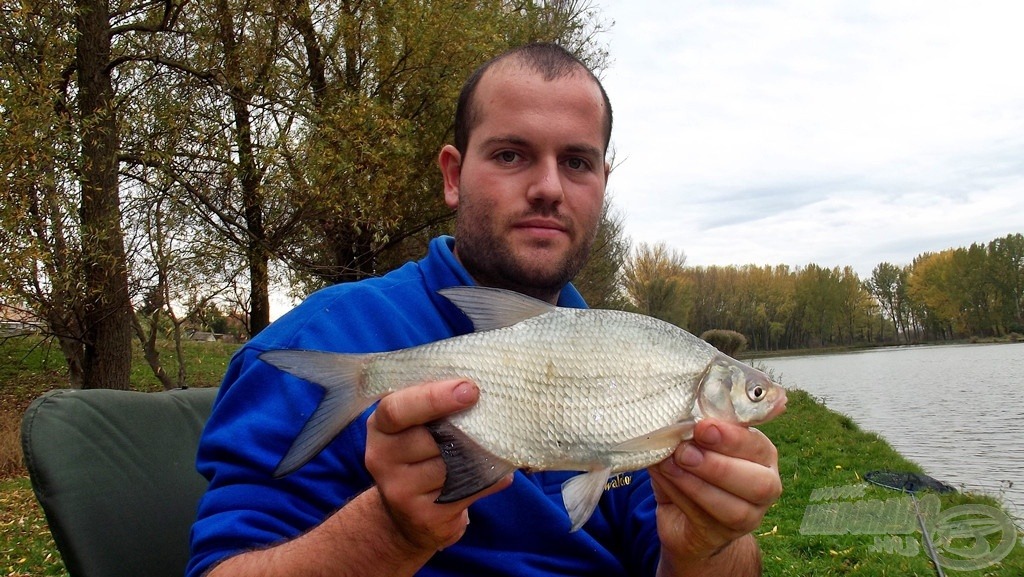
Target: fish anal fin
(582, 493)
(492, 308)
(663, 438)
(469, 467)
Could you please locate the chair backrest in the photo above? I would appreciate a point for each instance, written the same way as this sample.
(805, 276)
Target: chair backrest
(115, 474)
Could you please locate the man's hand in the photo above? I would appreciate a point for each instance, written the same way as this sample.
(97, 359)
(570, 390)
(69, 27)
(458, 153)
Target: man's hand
(713, 491)
(406, 463)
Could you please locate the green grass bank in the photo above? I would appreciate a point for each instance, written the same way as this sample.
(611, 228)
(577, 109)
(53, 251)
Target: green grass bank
(821, 526)
(823, 457)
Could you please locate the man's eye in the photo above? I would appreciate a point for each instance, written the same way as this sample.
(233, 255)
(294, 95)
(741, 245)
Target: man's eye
(577, 164)
(507, 156)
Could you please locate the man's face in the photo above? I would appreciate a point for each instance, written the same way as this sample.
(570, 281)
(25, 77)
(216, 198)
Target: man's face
(530, 187)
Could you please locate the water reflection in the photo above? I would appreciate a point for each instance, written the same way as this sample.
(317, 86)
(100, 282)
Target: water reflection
(957, 410)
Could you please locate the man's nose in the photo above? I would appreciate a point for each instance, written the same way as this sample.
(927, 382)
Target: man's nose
(546, 185)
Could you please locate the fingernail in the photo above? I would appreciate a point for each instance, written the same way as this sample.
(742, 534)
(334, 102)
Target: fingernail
(690, 456)
(711, 436)
(465, 393)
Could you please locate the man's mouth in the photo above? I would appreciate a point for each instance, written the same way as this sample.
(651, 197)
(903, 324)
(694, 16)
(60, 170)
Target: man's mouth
(542, 226)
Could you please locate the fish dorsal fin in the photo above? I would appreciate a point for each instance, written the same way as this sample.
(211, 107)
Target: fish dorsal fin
(492, 308)
(469, 467)
(663, 438)
(582, 493)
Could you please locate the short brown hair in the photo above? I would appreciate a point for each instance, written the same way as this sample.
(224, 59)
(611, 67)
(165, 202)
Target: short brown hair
(549, 59)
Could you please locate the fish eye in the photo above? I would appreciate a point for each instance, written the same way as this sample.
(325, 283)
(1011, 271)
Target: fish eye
(756, 393)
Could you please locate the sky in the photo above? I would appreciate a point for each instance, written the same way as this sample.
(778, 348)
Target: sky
(839, 133)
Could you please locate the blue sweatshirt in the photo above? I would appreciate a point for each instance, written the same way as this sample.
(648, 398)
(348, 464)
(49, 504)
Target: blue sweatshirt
(521, 531)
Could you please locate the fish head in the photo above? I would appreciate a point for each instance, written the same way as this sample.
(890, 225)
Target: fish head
(733, 391)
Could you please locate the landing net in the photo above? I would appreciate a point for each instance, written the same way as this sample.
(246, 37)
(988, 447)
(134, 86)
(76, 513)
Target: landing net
(907, 482)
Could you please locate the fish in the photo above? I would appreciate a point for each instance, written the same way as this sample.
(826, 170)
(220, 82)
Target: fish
(589, 390)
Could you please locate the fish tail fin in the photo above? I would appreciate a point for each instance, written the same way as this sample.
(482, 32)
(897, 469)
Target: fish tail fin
(469, 468)
(341, 376)
(582, 493)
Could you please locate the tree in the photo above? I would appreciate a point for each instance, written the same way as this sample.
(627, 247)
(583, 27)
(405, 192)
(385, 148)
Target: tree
(600, 281)
(974, 288)
(39, 236)
(815, 304)
(107, 307)
(182, 271)
(655, 283)
(853, 301)
(1006, 257)
(928, 284)
(888, 286)
(709, 288)
(221, 126)
(63, 166)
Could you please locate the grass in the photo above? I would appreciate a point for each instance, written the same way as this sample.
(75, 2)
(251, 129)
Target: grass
(820, 451)
(823, 451)
(27, 368)
(26, 547)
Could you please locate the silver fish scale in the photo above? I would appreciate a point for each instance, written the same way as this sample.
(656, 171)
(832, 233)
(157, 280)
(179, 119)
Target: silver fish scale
(560, 390)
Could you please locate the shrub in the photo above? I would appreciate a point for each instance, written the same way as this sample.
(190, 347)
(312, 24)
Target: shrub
(729, 342)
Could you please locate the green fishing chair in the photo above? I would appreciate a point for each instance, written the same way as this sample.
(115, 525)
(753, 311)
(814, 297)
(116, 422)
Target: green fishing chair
(115, 474)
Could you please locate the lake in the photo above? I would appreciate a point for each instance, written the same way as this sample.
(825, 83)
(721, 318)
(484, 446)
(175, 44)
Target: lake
(956, 410)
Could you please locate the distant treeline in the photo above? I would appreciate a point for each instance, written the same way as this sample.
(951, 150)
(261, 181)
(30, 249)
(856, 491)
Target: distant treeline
(953, 294)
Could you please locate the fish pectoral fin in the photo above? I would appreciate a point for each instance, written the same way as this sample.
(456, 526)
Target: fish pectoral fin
(469, 467)
(663, 438)
(582, 493)
(492, 308)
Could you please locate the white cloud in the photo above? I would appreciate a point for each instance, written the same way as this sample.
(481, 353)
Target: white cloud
(829, 132)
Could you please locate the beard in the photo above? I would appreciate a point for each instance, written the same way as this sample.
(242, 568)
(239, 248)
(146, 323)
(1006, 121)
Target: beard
(492, 260)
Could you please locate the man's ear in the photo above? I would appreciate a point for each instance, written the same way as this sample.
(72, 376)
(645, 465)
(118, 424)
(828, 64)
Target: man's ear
(450, 162)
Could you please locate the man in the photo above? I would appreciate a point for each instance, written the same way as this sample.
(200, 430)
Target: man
(527, 176)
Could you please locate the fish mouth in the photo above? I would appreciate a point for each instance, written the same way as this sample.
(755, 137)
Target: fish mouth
(779, 406)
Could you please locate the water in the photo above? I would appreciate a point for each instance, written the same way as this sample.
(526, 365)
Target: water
(956, 410)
